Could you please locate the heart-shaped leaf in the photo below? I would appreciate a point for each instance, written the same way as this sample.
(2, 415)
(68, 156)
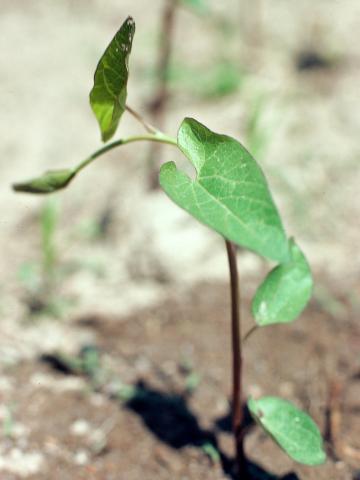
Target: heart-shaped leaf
(285, 291)
(230, 193)
(292, 429)
(108, 96)
(47, 183)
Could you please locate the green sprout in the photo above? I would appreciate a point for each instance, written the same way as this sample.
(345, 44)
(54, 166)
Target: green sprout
(231, 196)
(40, 278)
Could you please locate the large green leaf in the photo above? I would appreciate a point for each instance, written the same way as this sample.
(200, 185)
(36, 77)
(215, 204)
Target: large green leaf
(229, 194)
(285, 291)
(49, 182)
(108, 96)
(292, 429)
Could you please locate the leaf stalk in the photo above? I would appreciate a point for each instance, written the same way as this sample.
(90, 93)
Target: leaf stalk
(158, 137)
(148, 127)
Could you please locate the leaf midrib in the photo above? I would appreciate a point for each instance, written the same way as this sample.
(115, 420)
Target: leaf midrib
(227, 209)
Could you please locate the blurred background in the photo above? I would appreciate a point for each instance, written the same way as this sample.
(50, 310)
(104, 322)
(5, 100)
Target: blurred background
(114, 302)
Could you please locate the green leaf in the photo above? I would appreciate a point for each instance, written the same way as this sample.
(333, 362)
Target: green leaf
(211, 451)
(285, 291)
(108, 96)
(292, 429)
(48, 182)
(230, 193)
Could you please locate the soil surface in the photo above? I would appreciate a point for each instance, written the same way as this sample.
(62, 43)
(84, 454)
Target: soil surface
(159, 397)
(117, 367)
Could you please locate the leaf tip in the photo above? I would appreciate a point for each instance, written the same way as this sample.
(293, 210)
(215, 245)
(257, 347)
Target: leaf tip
(166, 169)
(130, 21)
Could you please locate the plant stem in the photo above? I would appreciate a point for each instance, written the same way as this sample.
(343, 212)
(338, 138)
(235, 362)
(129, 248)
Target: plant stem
(157, 106)
(237, 414)
(151, 137)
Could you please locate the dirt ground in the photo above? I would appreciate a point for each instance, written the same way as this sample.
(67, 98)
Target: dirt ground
(70, 427)
(154, 402)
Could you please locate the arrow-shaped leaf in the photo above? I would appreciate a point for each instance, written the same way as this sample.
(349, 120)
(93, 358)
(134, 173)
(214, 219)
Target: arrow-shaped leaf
(285, 291)
(108, 96)
(230, 193)
(292, 429)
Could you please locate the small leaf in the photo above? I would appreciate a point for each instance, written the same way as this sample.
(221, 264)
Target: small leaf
(211, 451)
(108, 96)
(292, 429)
(285, 291)
(230, 193)
(48, 182)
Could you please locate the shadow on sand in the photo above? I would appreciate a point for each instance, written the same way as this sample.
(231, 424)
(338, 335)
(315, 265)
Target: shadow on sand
(168, 417)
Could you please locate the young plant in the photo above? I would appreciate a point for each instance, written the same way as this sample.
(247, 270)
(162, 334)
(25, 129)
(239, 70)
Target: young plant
(40, 278)
(231, 196)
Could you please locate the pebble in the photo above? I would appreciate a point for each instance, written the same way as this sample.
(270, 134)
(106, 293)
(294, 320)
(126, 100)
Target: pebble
(81, 457)
(21, 463)
(80, 427)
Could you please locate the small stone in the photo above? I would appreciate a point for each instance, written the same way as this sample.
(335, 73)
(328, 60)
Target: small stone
(80, 427)
(21, 463)
(19, 430)
(81, 457)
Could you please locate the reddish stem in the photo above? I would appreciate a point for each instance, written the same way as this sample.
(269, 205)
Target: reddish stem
(237, 414)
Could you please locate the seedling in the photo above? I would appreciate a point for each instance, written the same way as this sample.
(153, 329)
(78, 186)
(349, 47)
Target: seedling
(8, 422)
(87, 363)
(40, 278)
(231, 196)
